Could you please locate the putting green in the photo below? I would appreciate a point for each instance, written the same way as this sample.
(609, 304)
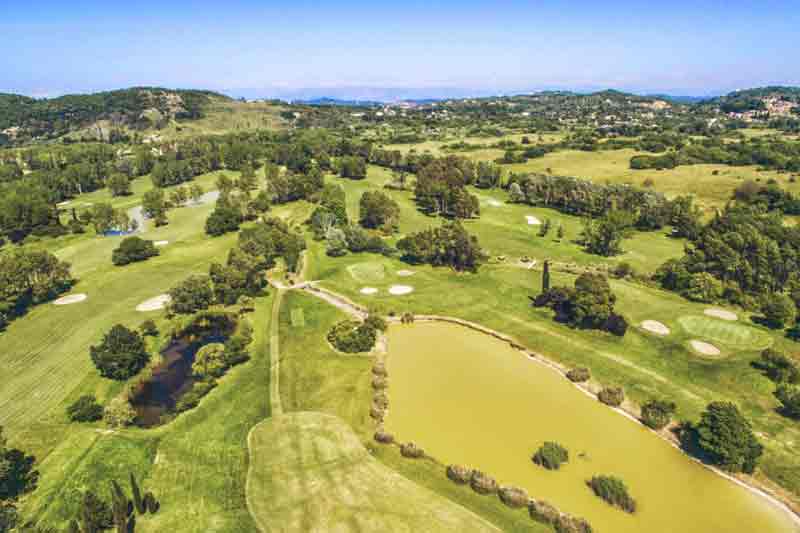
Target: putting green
(368, 272)
(309, 472)
(729, 333)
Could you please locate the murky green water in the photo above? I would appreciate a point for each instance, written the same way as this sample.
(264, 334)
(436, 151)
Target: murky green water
(470, 399)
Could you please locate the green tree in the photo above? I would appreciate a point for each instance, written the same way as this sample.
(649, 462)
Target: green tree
(657, 414)
(378, 210)
(726, 438)
(191, 295)
(779, 310)
(789, 396)
(604, 236)
(133, 249)
(121, 354)
(85, 409)
(119, 413)
(546, 276)
(153, 203)
(119, 184)
(210, 360)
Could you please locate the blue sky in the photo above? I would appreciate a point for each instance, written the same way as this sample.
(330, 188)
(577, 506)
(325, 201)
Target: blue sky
(694, 47)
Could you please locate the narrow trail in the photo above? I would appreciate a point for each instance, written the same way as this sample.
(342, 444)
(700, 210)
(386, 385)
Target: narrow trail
(275, 355)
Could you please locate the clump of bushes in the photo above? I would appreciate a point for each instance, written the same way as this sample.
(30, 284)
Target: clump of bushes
(579, 374)
(459, 474)
(381, 399)
(383, 436)
(133, 249)
(379, 369)
(85, 409)
(778, 367)
(482, 483)
(148, 328)
(121, 355)
(380, 383)
(656, 414)
(407, 318)
(377, 412)
(412, 451)
(351, 336)
(191, 398)
(614, 491)
(551, 456)
(613, 396)
(514, 497)
(570, 524)
(543, 512)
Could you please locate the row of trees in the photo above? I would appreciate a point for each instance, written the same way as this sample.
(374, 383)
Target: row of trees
(27, 278)
(448, 245)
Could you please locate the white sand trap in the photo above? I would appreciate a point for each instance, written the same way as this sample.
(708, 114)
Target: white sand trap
(704, 348)
(656, 327)
(532, 220)
(70, 299)
(161, 243)
(721, 313)
(369, 290)
(154, 304)
(405, 273)
(399, 290)
(495, 203)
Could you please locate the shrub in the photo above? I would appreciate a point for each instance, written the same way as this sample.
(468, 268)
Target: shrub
(614, 491)
(133, 249)
(381, 399)
(656, 414)
(779, 310)
(613, 396)
(383, 437)
(350, 336)
(122, 354)
(543, 512)
(778, 367)
(790, 401)
(412, 451)
(514, 497)
(616, 325)
(482, 483)
(192, 397)
(380, 383)
(579, 374)
(379, 369)
(571, 524)
(459, 474)
(551, 456)
(148, 328)
(191, 295)
(85, 409)
(224, 219)
(377, 412)
(119, 413)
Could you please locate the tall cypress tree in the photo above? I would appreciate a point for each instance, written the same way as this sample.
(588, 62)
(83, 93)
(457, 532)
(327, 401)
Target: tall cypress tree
(546, 277)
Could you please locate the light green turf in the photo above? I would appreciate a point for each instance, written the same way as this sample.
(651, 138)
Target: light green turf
(310, 472)
(298, 318)
(369, 272)
(728, 333)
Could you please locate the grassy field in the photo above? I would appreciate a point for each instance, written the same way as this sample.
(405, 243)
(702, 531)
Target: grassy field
(310, 472)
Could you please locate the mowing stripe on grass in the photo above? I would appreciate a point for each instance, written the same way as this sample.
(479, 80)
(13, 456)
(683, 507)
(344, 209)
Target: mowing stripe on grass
(298, 318)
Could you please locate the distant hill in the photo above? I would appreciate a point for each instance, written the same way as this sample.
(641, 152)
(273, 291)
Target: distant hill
(754, 99)
(23, 118)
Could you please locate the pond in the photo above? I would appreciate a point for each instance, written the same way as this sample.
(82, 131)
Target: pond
(170, 380)
(470, 399)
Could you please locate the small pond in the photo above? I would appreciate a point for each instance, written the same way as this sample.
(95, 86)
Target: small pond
(470, 399)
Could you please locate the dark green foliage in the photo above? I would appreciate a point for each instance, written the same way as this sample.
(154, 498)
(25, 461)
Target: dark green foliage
(351, 336)
(604, 235)
(614, 491)
(224, 219)
(191, 295)
(17, 473)
(148, 328)
(85, 409)
(551, 456)
(122, 510)
(726, 439)
(441, 188)
(613, 396)
(590, 304)
(778, 367)
(133, 249)
(138, 502)
(353, 168)
(154, 203)
(95, 514)
(378, 210)
(656, 414)
(29, 277)
(546, 277)
(448, 245)
(191, 398)
(272, 238)
(27, 208)
(779, 310)
(789, 396)
(121, 355)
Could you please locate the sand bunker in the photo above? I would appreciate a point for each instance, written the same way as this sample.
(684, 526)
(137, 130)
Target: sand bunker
(704, 348)
(532, 220)
(405, 273)
(154, 304)
(399, 290)
(656, 327)
(495, 203)
(369, 290)
(70, 299)
(161, 243)
(721, 313)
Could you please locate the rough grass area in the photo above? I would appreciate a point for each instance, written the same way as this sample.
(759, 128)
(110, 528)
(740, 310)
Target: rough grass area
(310, 472)
(728, 333)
